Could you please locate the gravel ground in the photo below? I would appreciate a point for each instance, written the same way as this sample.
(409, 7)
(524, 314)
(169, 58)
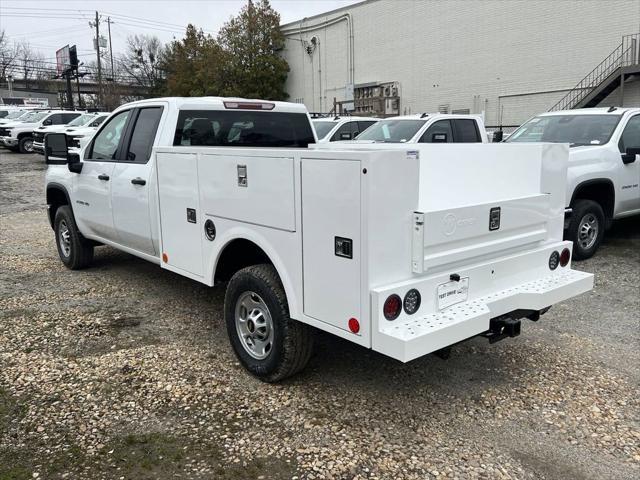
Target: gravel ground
(123, 371)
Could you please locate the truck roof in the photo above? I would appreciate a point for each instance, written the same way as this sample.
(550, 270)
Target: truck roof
(215, 103)
(591, 111)
(427, 116)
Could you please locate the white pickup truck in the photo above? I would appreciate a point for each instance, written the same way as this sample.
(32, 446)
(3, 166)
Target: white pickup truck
(18, 136)
(337, 128)
(90, 121)
(603, 178)
(426, 128)
(404, 251)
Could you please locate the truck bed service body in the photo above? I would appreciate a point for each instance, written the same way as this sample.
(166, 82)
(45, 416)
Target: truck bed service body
(405, 251)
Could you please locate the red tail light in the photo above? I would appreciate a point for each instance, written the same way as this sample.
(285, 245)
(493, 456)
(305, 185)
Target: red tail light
(565, 256)
(249, 105)
(354, 325)
(392, 307)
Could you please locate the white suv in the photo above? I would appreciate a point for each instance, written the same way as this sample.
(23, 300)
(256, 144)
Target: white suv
(18, 136)
(332, 129)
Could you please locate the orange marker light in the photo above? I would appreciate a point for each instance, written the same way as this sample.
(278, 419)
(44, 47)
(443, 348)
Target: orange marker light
(165, 258)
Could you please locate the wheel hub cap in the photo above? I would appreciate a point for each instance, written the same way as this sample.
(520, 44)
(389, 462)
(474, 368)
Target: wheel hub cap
(254, 325)
(65, 238)
(588, 231)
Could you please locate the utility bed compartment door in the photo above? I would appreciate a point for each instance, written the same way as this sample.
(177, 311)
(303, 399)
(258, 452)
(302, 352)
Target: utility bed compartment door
(180, 215)
(330, 214)
(252, 189)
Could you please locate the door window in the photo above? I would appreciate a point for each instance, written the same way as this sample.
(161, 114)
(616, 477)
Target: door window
(144, 133)
(439, 132)
(67, 117)
(631, 135)
(347, 131)
(363, 125)
(106, 142)
(466, 131)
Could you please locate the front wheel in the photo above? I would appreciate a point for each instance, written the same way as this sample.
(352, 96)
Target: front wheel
(267, 342)
(75, 251)
(586, 228)
(25, 145)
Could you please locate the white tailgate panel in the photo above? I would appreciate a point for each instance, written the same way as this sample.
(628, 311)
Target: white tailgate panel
(268, 199)
(177, 191)
(331, 208)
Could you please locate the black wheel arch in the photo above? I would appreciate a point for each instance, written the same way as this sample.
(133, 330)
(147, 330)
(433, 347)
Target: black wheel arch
(57, 196)
(236, 255)
(600, 190)
(24, 134)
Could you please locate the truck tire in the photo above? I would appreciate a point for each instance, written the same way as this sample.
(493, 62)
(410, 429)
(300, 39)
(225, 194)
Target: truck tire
(586, 228)
(25, 145)
(76, 252)
(268, 343)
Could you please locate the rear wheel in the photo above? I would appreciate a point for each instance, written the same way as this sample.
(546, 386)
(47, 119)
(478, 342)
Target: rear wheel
(586, 228)
(268, 343)
(25, 145)
(75, 251)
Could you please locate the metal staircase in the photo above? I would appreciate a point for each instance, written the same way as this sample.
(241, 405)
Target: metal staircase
(611, 73)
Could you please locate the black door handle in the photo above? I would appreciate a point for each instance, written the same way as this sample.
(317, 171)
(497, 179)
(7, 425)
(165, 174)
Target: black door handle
(103, 177)
(138, 181)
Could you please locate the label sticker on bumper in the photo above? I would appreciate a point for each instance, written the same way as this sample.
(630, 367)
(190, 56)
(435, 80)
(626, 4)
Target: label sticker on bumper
(451, 293)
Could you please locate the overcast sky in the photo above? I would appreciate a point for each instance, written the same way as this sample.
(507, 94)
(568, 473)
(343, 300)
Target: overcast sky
(49, 25)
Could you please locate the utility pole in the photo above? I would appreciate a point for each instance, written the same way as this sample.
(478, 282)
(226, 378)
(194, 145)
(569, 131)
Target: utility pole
(109, 22)
(97, 25)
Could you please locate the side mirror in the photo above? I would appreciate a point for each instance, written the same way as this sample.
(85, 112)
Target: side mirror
(56, 151)
(630, 155)
(47, 122)
(345, 136)
(439, 138)
(498, 135)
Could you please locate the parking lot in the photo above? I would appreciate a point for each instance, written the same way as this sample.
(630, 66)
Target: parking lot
(124, 370)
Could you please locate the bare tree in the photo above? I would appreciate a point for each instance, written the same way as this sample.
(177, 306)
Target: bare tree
(9, 52)
(140, 64)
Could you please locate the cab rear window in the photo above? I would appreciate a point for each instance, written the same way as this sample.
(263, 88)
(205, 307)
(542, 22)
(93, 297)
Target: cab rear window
(222, 128)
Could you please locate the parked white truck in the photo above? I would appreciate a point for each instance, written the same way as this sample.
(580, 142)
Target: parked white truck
(18, 136)
(426, 128)
(337, 128)
(84, 121)
(603, 179)
(405, 251)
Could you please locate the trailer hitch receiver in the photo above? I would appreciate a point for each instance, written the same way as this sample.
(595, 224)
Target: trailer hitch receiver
(502, 327)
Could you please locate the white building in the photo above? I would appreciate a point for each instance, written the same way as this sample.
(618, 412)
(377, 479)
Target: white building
(509, 59)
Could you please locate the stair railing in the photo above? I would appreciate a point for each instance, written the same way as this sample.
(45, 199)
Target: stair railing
(625, 54)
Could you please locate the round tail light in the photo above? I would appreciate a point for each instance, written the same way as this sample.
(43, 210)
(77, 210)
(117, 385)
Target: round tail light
(565, 256)
(354, 325)
(392, 307)
(554, 260)
(411, 302)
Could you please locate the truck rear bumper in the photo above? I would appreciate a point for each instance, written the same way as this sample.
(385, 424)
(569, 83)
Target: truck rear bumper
(420, 334)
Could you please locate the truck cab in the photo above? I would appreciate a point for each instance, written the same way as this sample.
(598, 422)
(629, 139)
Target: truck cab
(18, 136)
(603, 179)
(334, 129)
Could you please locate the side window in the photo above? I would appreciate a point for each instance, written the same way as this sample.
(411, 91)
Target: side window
(347, 131)
(67, 117)
(53, 119)
(106, 142)
(363, 125)
(466, 131)
(97, 122)
(144, 133)
(439, 132)
(630, 135)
